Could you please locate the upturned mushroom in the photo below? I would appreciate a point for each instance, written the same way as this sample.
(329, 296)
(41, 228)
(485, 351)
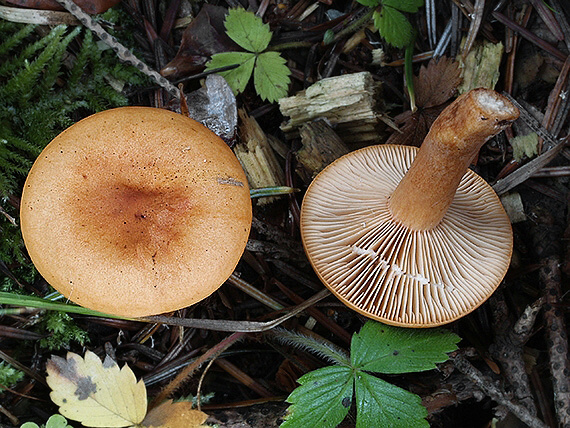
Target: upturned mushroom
(413, 237)
(136, 211)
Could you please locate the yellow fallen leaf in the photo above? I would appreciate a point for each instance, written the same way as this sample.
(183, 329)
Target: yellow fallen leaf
(95, 393)
(175, 415)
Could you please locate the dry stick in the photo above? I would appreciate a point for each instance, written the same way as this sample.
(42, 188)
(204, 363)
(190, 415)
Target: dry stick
(507, 348)
(562, 20)
(530, 36)
(557, 339)
(527, 170)
(122, 52)
(557, 102)
(548, 18)
(478, 10)
(199, 389)
(243, 377)
(236, 326)
(491, 390)
(191, 368)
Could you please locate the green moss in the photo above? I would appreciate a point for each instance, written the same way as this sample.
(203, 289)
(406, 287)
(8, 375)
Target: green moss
(9, 376)
(61, 330)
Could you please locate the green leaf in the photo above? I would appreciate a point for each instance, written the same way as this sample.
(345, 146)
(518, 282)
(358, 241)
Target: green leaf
(370, 3)
(238, 77)
(57, 421)
(322, 400)
(271, 76)
(394, 27)
(411, 6)
(9, 375)
(247, 30)
(379, 403)
(386, 349)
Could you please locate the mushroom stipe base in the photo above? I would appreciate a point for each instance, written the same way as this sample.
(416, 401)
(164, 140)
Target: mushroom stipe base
(392, 274)
(136, 211)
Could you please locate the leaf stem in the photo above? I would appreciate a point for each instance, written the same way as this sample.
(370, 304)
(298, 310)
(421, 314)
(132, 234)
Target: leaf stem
(289, 45)
(409, 73)
(352, 26)
(320, 347)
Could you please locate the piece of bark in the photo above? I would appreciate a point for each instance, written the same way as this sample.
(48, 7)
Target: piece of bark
(557, 338)
(92, 7)
(36, 16)
(481, 67)
(492, 390)
(508, 347)
(351, 103)
(257, 157)
(321, 146)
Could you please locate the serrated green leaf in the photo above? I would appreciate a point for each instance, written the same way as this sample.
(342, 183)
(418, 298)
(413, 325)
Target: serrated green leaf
(369, 3)
(322, 400)
(393, 27)
(411, 6)
(271, 76)
(379, 403)
(386, 349)
(247, 30)
(238, 77)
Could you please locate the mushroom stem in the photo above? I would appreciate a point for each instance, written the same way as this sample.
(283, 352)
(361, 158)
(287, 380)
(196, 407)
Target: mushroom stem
(423, 196)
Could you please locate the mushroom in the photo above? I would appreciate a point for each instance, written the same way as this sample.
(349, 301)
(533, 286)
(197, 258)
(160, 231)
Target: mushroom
(136, 211)
(413, 237)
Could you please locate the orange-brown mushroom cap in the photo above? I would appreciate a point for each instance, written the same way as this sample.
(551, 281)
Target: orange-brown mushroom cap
(388, 272)
(136, 211)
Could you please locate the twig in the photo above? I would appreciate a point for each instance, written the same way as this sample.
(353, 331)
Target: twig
(243, 377)
(250, 290)
(237, 326)
(431, 23)
(491, 390)
(529, 36)
(507, 348)
(524, 172)
(122, 52)
(478, 11)
(550, 279)
(548, 18)
(562, 21)
(13, 418)
(557, 107)
(191, 368)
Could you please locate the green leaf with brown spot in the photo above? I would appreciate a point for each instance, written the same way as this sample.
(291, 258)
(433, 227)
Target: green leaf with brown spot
(322, 400)
(378, 400)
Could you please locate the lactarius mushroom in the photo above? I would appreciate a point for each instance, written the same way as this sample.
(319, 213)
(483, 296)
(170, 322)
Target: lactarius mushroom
(413, 237)
(136, 211)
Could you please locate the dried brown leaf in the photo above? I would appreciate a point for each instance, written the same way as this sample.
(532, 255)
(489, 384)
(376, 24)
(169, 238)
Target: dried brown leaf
(437, 82)
(204, 37)
(434, 86)
(175, 415)
(414, 126)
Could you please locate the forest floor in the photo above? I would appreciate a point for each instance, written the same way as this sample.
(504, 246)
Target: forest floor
(511, 366)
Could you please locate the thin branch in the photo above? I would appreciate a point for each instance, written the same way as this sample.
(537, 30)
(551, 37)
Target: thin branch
(236, 326)
(122, 52)
(531, 37)
(557, 339)
(491, 390)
